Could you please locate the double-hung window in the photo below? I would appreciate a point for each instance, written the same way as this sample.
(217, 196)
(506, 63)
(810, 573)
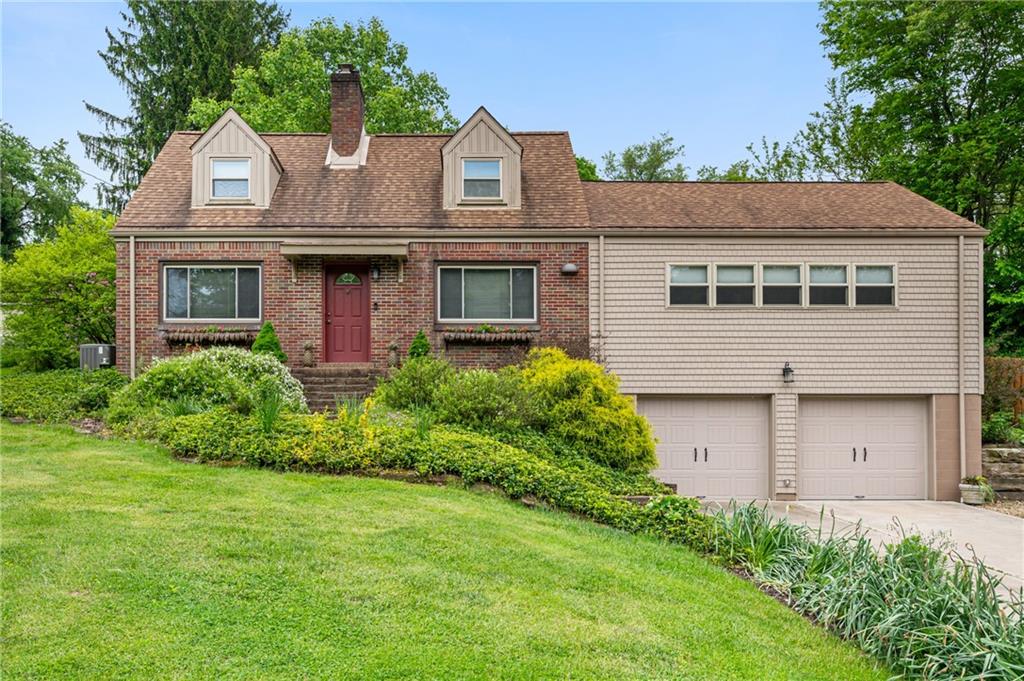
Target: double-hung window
(781, 285)
(487, 294)
(827, 285)
(230, 177)
(688, 285)
(734, 285)
(874, 285)
(211, 293)
(481, 178)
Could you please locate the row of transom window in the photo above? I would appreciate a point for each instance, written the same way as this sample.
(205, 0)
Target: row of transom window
(793, 285)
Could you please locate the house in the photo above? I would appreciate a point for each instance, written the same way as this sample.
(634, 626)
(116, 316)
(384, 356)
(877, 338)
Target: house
(786, 340)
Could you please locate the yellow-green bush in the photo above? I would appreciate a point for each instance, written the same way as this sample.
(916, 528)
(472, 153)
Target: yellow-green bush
(580, 403)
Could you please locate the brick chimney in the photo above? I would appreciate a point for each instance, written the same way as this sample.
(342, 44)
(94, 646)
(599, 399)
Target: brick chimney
(346, 111)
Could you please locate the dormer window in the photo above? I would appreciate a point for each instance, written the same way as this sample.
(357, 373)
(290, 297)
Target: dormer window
(230, 178)
(481, 179)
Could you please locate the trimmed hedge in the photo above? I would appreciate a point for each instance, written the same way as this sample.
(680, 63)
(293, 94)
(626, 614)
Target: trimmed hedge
(58, 395)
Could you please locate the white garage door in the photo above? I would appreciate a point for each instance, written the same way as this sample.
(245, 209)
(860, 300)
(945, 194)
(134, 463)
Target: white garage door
(710, 447)
(870, 448)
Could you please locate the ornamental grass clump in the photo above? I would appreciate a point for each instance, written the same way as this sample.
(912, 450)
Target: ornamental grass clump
(909, 603)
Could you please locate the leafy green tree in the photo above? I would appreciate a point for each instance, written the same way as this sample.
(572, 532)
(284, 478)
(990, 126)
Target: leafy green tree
(659, 159)
(420, 346)
(60, 293)
(740, 171)
(289, 89)
(931, 95)
(587, 169)
(38, 187)
(168, 53)
(771, 163)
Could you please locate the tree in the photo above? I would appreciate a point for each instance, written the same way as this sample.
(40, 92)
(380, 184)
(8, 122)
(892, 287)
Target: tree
(587, 169)
(740, 171)
(647, 162)
(289, 89)
(168, 53)
(772, 163)
(931, 95)
(37, 189)
(267, 342)
(60, 293)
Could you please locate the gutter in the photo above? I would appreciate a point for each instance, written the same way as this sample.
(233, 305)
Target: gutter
(961, 408)
(535, 234)
(131, 307)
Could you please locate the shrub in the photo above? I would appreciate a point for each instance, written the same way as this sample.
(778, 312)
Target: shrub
(60, 293)
(420, 346)
(267, 342)
(677, 519)
(482, 399)
(998, 427)
(415, 384)
(580, 403)
(219, 376)
(58, 395)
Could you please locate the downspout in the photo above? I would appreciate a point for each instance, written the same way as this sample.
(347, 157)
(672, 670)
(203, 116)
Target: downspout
(600, 297)
(960, 355)
(131, 306)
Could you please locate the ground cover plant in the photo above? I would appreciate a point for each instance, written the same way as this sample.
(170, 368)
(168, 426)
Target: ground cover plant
(121, 561)
(57, 395)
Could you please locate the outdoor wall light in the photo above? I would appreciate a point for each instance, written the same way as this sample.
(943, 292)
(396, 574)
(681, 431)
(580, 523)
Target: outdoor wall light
(787, 374)
(375, 273)
(570, 268)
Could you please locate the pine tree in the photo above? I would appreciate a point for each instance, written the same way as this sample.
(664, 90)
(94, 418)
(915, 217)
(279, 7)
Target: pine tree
(267, 342)
(168, 53)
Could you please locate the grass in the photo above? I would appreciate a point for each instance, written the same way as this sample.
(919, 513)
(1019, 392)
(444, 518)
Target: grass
(121, 562)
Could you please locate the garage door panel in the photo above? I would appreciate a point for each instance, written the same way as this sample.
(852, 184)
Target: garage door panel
(892, 431)
(733, 431)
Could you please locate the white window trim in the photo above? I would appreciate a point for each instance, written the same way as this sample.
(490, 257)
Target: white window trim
(709, 269)
(188, 293)
(481, 199)
(247, 178)
(489, 266)
(754, 283)
(893, 285)
(802, 284)
(849, 289)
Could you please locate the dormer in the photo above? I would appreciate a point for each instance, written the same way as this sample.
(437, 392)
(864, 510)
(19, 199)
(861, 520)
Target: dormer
(482, 166)
(233, 166)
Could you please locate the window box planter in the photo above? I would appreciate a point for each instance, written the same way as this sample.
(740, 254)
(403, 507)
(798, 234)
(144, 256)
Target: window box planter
(205, 337)
(506, 337)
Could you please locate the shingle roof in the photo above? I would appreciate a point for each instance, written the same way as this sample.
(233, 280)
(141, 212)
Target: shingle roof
(400, 186)
(765, 205)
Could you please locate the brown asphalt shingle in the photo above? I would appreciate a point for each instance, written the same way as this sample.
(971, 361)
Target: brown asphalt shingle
(765, 205)
(400, 186)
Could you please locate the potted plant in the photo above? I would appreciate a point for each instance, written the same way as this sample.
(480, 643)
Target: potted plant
(975, 490)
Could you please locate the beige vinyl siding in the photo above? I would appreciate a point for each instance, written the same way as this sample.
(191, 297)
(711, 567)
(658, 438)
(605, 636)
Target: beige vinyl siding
(909, 349)
(232, 142)
(784, 442)
(482, 142)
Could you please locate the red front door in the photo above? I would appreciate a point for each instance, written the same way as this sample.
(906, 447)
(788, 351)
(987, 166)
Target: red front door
(347, 313)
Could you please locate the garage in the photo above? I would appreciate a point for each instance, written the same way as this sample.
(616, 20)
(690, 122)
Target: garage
(862, 448)
(711, 447)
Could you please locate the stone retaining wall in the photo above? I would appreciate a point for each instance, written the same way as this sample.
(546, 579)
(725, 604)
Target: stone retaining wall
(1003, 465)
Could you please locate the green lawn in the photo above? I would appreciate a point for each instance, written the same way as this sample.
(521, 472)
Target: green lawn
(120, 562)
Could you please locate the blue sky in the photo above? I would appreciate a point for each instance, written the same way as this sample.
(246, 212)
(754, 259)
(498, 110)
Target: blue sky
(717, 76)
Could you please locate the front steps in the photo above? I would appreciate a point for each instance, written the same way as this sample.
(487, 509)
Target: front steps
(327, 385)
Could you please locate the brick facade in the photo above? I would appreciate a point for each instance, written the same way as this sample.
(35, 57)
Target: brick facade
(398, 308)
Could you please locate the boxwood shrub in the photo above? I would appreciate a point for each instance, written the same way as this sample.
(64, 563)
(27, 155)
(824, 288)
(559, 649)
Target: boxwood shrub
(58, 395)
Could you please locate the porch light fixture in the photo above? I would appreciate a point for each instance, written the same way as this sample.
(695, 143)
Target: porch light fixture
(787, 373)
(570, 268)
(375, 273)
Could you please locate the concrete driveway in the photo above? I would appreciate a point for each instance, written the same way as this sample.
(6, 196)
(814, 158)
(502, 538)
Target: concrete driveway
(996, 538)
